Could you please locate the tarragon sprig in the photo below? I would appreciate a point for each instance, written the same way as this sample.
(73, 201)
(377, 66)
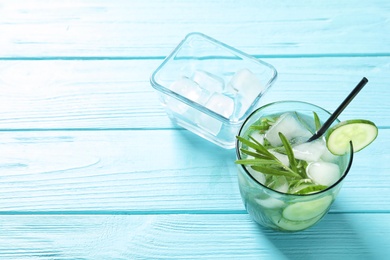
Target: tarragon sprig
(260, 159)
(263, 124)
(266, 162)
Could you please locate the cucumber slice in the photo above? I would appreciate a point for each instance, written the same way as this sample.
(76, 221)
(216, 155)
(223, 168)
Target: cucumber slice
(289, 225)
(270, 202)
(361, 132)
(306, 210)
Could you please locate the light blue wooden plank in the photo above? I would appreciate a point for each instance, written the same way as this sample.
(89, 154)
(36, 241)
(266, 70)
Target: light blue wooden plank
(152, 28)
(169, 198)
(117, 94)
(326, 82)
(337, 236)
(122, 170)
(155, 171)
(79, 94)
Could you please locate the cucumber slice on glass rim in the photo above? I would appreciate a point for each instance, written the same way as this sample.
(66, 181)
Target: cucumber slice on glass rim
(360, 132)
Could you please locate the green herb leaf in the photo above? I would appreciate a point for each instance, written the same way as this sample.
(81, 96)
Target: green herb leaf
(277, 182)
(317, 121)
(259, 127)
(289, 152)
(295, 184)
(275, 171)
(264, 161)
(263, 125)
(301, 168)
(257, 146)
(253, 154)
(310, 189)
(256, 162)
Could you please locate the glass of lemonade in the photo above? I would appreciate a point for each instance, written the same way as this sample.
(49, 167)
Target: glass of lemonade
(284, 192)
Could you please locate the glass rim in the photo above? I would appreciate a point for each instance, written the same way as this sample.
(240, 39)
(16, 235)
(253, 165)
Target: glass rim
(238, 154)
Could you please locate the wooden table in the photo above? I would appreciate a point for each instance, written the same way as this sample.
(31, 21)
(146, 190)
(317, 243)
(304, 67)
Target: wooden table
(92, 168)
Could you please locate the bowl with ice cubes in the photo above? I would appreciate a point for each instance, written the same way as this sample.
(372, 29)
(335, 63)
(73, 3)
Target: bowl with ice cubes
(210, 88)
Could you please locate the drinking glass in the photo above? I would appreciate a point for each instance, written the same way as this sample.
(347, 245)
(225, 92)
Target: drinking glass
(282, 211)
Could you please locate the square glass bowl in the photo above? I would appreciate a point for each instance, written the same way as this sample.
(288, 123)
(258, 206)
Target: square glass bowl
(210, 88)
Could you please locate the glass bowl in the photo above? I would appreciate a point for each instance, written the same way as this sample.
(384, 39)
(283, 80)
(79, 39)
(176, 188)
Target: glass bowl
(210, 88)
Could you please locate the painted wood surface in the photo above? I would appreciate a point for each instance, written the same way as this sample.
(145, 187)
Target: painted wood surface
(150, 171)
(106, 94)
(152, 28)
(92, 168)
(188, 236)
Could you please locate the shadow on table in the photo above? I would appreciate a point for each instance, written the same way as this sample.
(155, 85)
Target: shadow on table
(332, 238)
(204, 146)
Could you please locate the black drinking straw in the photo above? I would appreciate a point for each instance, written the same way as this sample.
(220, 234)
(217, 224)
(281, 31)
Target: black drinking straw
(340, 109)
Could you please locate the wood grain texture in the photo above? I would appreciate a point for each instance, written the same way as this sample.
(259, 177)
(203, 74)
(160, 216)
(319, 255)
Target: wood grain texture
(107, 94)
(152, 28)
(92, 168)
(232, 236)
(150, 172)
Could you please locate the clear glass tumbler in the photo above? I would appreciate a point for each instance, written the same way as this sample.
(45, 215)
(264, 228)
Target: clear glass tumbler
(283, 211)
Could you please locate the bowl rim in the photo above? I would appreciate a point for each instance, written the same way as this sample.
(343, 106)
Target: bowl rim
(231, 121)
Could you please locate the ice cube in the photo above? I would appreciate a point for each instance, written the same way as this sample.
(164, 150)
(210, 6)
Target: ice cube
(208, 81)
(323, 173)
(189, 89)
(260, 177)
(281, 157)
(280, 184)
(258, 137)
(247, 85)
(310, 151)
(220, 104)
(239, 110)
(327, 156)
(289, 125)
(241, 104)
(249, 156)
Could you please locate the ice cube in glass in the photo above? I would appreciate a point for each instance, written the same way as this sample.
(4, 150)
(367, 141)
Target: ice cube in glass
(220, 104)
(246, 85)
(208, 81)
